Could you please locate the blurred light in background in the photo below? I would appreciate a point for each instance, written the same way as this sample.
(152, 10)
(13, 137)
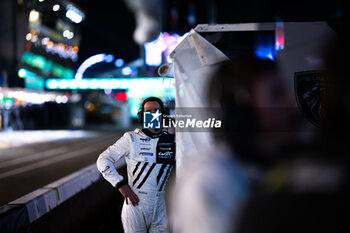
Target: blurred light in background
(22, 97)
(68, 34)
(162, 46)
(61, 99)
(92, 61)
(34, 38)
(29, 36)
(263, 52)
(63, 51)
(265, 46)
(33, 16)
(134, 89)
(121, 96)
(74, 14)
(108, 91)
(46, 65)
(56, 7)
(112, 83)
(126, 71)
(279, 35)
(109, 58)
(119, 62)
(22, 73)
(45, 40)
(153, 52)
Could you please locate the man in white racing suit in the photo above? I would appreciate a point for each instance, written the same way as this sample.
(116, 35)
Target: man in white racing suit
(150, 158)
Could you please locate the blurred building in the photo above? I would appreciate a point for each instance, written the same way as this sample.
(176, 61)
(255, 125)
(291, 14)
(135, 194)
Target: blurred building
(40, 40)
(52, 43)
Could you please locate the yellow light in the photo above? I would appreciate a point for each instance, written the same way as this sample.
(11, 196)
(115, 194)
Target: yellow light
(50, 44)
(33, 16)
(90, 106)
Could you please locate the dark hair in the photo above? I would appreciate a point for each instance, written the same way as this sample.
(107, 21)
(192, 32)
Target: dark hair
(150, 99)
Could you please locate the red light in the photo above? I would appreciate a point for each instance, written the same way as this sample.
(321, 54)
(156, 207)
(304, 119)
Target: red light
(28, 46)
(279, 36)
(121, 96)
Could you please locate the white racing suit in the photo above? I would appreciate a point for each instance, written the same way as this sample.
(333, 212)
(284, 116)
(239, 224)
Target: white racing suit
(149, 161)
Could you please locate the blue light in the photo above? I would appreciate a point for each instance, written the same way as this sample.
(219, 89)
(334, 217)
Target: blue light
(108, 91)
(264, 53)
(265, 46)
(109, 58)
(119, 62)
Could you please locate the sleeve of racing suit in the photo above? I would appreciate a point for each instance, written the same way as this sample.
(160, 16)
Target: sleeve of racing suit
(107, 159)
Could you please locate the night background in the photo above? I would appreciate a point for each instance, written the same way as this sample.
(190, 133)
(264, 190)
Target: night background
(73, 76)
(109, 27)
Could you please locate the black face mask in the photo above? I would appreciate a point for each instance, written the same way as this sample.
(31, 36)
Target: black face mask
(152, 135)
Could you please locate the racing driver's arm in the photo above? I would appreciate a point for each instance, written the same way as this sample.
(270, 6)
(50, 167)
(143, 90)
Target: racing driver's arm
(105, 164)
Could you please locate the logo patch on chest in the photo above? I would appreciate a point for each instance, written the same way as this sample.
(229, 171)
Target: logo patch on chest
(165, 155)
(146, 154)
(145, 139)
(166, 149)
(145, 148)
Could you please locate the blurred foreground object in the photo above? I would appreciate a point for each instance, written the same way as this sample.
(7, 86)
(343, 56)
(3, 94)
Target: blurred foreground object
(221, 180)
(308, 191)
(194, 59)
(148, 19)
(219, 173)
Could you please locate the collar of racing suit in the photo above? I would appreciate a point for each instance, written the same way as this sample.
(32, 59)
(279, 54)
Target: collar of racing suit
(152, 135)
